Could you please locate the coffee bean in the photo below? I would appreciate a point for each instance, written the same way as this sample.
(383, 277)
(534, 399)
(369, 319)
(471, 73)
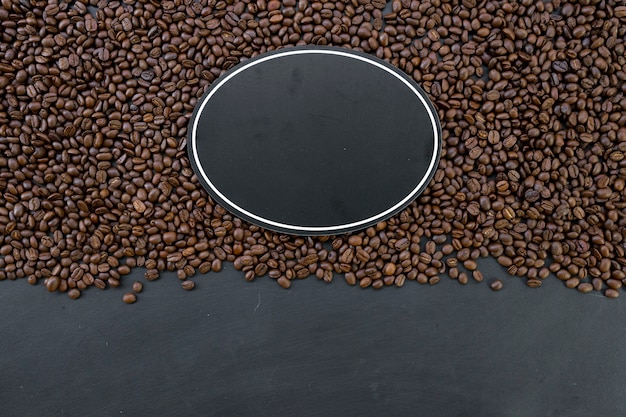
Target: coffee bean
(560, 66)
(496, 285)
(137, 287)
(284, 282)
(152, 274)
(52, 283)
(350, 278)
(129, 298)
(614, 283)
(188, 285)
(572, 282)
(470, 265)
(389, 269)
(597, 283)
(380, 4)
(365, 282)
(74, 293)
(400, 280)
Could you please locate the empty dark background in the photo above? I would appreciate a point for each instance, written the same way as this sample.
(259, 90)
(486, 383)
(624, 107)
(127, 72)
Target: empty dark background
(234, 348)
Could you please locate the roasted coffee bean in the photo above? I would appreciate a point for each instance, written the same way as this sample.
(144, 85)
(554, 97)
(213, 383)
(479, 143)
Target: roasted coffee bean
(129, 298)
(151, 274)
(74, 293)
(597, 283)
(470, 265)
(284, 282)
(496, 285)
(52, 283)
(389, 269)
(572, 282)
(188, 285)
(137, 287)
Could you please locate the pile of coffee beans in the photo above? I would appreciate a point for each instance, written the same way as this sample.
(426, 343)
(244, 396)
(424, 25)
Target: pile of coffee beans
(95, 98)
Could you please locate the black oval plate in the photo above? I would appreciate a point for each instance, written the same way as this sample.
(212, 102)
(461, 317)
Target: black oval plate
(314, 140)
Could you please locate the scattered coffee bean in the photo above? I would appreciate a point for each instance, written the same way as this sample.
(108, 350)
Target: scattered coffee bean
(284, 282)
(496, 285)
(137, 287)
(129, 298)
(74, 293)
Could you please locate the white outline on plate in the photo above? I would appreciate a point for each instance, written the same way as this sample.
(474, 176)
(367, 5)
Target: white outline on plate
(317, 229)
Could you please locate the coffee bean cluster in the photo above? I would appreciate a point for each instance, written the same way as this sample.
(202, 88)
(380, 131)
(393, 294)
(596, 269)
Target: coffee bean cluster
(96, 96)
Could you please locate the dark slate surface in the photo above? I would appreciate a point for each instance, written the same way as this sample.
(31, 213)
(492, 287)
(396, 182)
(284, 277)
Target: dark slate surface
(234, 348)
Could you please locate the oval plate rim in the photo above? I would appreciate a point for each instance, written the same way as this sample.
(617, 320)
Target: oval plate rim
(269, 224)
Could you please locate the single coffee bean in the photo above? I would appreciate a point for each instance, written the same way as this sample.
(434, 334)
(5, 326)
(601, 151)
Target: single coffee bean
(129, 298)
(496, 285)
(137, 287)
(614, 283)
(52, 283)
(572, 282)
(389, 269)
(597, 283)
(365, 282)
(188, 285)
(400, 280)
(350, 278)
(560, 66)
(534, 283)
(470, 265)
(378, 283)
(284, 282)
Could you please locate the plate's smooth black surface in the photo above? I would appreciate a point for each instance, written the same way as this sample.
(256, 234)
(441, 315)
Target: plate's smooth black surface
(232, 348)
(314, 140)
